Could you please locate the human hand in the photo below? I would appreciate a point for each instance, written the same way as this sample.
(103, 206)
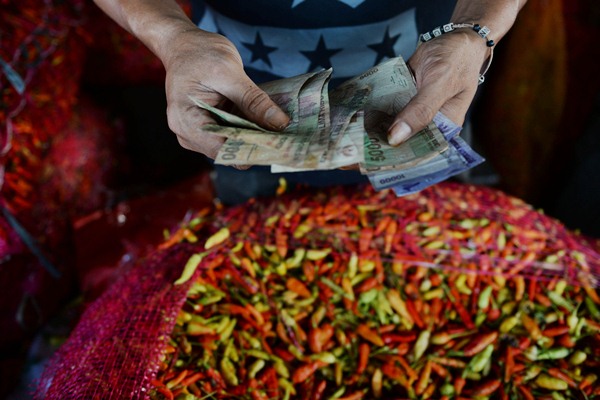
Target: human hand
(446, 71)
(207, 66)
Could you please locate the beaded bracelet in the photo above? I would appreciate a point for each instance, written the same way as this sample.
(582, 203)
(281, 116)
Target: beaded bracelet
(482, 31)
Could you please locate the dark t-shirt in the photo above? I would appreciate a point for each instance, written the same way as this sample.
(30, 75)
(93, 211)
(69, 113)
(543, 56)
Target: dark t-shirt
(282, 38)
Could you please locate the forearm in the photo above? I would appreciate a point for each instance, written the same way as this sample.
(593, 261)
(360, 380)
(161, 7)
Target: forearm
(498, 15)
(154, 22)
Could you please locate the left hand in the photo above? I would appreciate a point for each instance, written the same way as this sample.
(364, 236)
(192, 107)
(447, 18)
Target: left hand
(446, 71)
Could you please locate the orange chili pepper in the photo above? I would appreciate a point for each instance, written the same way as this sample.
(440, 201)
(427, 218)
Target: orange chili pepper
(297, 286)
(382, 225)
(365, 239)
(486, 388)
(449, 362)
(305, 371)
(557, 373)
(542, 299)
(363, 357)
(532, 327)
(459, 384)
(175, 381)
(281, 243)
(370, 335)
(319, 337)
(423, 378)
(412, 374)
(390, 234)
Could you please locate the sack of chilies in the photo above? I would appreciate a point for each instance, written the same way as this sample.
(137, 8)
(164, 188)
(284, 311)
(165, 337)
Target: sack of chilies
(457, 292)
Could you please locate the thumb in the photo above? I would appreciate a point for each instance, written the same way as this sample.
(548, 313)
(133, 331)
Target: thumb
(417, 114)
(257, 105)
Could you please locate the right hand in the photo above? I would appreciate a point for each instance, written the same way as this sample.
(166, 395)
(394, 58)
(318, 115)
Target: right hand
(207, 66)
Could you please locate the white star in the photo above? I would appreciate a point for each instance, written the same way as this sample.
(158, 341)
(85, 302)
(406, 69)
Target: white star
(296, 2)
(351, 3)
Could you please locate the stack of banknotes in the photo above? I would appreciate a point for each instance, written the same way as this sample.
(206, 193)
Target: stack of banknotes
(346, 128)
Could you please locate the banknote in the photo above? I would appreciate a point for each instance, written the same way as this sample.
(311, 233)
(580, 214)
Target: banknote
(347, 152)
(347, 127)
(463, 158)
(391, 88)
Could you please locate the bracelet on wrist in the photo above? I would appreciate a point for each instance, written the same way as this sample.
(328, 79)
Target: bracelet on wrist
(482, 31)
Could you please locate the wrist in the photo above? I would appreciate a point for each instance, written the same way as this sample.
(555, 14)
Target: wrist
(159, 34)
(472, 36)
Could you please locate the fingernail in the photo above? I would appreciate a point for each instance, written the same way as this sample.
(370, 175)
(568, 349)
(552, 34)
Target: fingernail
(277, 118)
(398, 133)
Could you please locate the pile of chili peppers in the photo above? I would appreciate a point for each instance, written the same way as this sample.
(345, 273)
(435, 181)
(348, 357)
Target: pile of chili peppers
(351, 296)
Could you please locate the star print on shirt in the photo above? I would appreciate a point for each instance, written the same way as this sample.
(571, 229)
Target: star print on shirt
(320, 56)
(259, 50)
(351, 3)
(386, 47)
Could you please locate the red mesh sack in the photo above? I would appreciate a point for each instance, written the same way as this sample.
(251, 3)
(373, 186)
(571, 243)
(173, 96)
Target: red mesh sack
(456, 291)
(109, 240)
(40, 62)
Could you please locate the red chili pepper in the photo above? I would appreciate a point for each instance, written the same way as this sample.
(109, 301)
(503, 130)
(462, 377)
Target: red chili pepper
(410, 306)
(566, 341)
(460, 309)
(319, 390)
(395, 373)
(165, 391)
(487, 388)
(283, 354)
(367, 285)
(192, 379)
(480, 343)
(555, 331)
(390, 338)
(526, 393)
(533, 289)
(439, 370)
(216, 377)
(509, 363)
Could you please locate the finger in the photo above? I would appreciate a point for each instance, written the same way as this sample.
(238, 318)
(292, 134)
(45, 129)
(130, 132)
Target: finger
(206, 144)
(417, 114)
(257, 105)
(241, 167)
(352, 167)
